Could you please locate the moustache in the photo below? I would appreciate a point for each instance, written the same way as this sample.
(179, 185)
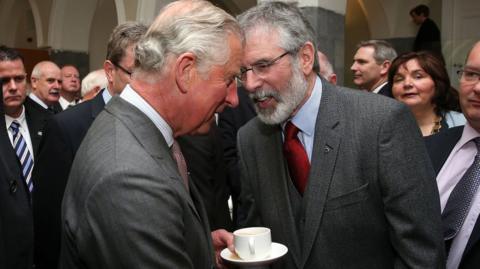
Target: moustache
(261, 94)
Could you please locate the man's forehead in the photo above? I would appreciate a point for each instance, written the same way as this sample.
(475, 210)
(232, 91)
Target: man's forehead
(12, 65)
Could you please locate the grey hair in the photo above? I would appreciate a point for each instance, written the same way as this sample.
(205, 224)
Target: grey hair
(383, 51)
(293, 28)
(200, 28)
(37, 71)
(93, 79)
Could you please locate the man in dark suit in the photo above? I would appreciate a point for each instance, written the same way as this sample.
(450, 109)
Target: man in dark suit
(370, 66)
(16, 223)
(339, 176)
(17, 107)
(63, 135)
(453, 154)
(428, 35)
(46, 82)
(128, 202)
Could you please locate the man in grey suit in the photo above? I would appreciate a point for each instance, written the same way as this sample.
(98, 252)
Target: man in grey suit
(128, 202)
(358, 192)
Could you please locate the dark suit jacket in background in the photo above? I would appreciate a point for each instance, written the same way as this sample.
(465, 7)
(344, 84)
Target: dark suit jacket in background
(229, 122)
(371, 199)
(386, 90)
(204, 157)
(125, 204)
(16, 224)
(439, 148)
(428, 38)
(36, 117)
(62, 137)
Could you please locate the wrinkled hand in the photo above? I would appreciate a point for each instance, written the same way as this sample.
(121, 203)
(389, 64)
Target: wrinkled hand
(221, 239)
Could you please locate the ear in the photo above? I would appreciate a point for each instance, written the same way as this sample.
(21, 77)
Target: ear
(384, 67)
(33, 83)
(307, 57)
(109, 69)
(185, 70)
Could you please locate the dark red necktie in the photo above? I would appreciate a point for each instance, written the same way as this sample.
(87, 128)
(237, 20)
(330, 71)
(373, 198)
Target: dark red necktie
(296, 156)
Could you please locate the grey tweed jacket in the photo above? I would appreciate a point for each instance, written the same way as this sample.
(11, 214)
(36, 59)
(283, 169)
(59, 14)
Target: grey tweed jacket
(371, 199)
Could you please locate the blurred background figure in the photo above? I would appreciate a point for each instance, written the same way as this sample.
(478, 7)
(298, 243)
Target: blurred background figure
(93, 83)
(70, 90)
(419, 80)
(326, 68)
(428, 35)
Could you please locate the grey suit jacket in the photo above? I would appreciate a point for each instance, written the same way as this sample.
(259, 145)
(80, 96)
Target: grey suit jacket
(371, 199)
(125, 205)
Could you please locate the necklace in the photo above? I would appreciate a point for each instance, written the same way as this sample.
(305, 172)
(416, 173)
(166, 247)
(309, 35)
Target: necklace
(436, 126)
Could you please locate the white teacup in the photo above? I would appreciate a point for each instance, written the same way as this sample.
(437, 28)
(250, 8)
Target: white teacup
(252, 243)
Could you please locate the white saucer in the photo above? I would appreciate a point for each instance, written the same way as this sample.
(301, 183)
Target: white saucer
(278, 250)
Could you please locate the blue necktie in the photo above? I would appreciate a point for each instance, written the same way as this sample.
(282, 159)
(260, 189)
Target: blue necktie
(460, 200)
(23, 154)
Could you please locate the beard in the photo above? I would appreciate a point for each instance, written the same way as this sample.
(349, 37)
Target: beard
(287, 99)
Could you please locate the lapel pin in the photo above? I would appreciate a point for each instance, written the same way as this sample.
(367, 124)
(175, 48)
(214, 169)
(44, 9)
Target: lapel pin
(327, 149)
(40, 133)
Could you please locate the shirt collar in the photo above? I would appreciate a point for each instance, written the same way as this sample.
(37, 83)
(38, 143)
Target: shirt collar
(21, 119)
(132, 97)
(468, 134)
(106, 96)
(306, 116)
(377, 89)
(64, 103)
(37, 100)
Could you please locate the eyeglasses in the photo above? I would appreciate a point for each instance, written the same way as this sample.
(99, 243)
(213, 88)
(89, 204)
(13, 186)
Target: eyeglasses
(468, 77)
(261, 68)
(17, 79)
(123, 69)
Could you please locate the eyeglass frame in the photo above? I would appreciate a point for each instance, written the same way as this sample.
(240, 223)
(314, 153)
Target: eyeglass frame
(461, 76)
(123, 69)
(18, 79)
(243, 70)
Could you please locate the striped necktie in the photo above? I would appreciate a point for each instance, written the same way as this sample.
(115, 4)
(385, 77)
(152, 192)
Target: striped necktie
(460, 200)
(23, 154)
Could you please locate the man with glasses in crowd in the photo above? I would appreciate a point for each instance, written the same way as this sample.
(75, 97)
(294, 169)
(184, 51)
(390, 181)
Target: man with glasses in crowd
(63, 135)
(340, 177)
(455, 155)
(19, 136)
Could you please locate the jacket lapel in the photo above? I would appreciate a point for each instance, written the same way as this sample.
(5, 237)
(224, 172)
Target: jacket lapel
(97, 104)
(324, 156)
(276, 189)
(151, 139)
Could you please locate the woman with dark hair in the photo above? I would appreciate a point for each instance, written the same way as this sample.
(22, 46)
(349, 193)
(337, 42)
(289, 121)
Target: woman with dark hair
(419, 80)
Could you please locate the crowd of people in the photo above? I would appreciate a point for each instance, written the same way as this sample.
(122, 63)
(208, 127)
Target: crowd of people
(134, 166)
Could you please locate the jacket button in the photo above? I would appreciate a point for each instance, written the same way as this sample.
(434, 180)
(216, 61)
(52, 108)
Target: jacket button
(13, 186)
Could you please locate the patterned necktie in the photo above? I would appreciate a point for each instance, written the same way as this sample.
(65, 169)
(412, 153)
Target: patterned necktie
(460, 200)
(180, 160)
(296, 156)
(23, 154)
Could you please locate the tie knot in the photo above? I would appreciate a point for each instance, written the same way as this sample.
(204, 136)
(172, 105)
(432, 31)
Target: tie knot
(291, 131)
(14, 126)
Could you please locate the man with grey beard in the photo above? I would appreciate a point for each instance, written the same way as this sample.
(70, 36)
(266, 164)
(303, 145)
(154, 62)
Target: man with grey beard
(341, 177)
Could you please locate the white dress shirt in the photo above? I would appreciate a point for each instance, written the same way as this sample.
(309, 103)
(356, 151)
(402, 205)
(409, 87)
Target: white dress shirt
(23, 129)
(459, 160)
(37, 100)
(64, 103)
